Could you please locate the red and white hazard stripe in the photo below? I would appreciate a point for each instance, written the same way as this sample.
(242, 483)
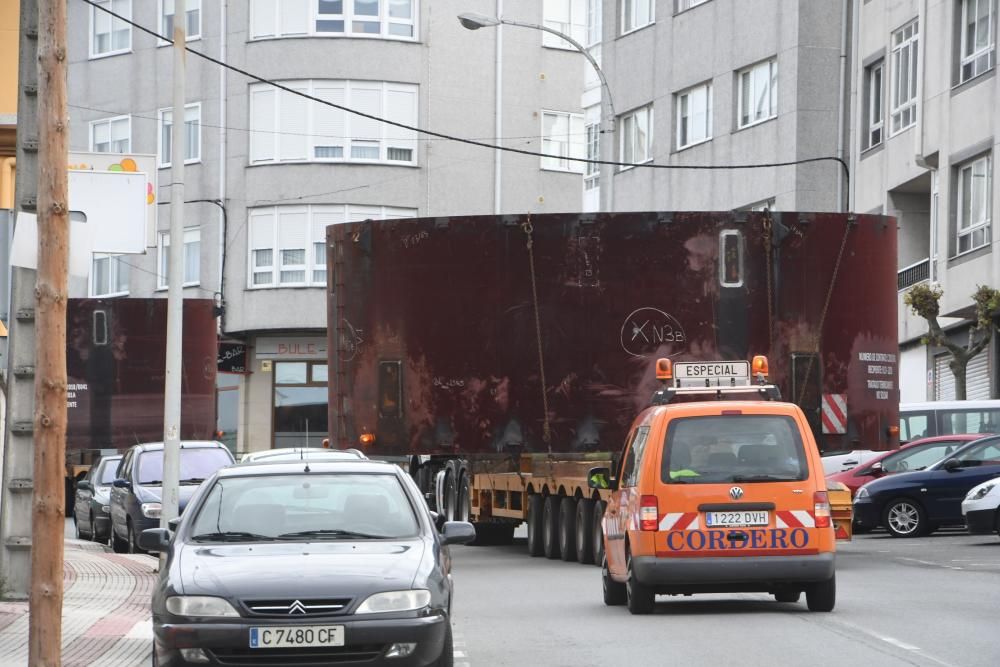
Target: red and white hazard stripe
(794, 519)
(835, 413)
(680, 521)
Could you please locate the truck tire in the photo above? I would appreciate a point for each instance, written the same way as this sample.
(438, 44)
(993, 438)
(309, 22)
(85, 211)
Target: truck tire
(550, 529)
(493, 534)
(450, 491)
(567, 529)
(535, 525)
(463, 502)
(597, 532)
(585, 530)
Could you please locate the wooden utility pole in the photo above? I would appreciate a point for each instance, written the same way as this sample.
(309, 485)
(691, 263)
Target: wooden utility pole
(46, 596)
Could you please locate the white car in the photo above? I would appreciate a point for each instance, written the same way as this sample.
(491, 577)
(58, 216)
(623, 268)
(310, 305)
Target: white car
(840, 462)
(302, 453)
(980, 508)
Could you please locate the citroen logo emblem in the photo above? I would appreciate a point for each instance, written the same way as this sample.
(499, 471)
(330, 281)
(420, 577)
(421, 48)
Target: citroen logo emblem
(296, 608)
(736, 493)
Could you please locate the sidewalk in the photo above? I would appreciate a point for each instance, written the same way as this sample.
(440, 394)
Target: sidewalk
(105, 610)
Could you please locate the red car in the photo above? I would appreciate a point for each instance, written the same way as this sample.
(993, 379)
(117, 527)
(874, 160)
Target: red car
(915, 455)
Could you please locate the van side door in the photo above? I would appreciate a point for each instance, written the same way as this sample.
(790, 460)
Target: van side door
(624, 504)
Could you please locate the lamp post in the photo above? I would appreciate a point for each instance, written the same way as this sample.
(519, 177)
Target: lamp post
(473, 21)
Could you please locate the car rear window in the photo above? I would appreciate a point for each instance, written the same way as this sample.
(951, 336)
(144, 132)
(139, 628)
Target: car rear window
(733, 448)
(307, 506)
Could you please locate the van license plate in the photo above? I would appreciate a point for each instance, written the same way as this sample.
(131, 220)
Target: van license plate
(736, 519)
(297, 636)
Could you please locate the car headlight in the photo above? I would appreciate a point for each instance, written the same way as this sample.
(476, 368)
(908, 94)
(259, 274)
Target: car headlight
(862, 495)
(395, 601)
(981, 492)
(199, 605)
(151, 510)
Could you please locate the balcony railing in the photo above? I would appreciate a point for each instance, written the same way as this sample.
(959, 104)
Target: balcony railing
(914, 273)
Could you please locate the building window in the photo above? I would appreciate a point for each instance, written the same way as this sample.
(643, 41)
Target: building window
(289, 128)
(563, 137)
(904, 77)
(637, 13)
(758, 93)
(227, 409)
(683, 5)
(288, 243)
(192, 134)
(389, 19)
(636, 130)
(192, 26)
(874, 95)
(975, 185)
(109, 275)
(594, 12)
(977, 40)
(192, 258)
(111, 135)
(694, 115)
(568, 17)
(110, 35)
(300, 400)
(592, 172)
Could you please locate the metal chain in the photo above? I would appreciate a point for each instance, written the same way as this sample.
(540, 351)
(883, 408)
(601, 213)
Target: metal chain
(768, 240)
(826, 307)
(546, 428)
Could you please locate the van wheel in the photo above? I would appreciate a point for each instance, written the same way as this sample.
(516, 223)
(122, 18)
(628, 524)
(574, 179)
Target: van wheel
(903, 517)
(597, 533)
(535, 525)
(584, 530)
(614, 592)
(550, 527)
(567, 529)
(787, 596)
(641, 598)
(822, 596)
(133, 541)
(76, 528)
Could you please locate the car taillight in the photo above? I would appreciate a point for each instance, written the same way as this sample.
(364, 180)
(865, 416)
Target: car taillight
(822, 509)
(649, 513)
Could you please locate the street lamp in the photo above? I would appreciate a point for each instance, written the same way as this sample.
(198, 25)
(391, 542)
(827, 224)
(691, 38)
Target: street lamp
(474, 21)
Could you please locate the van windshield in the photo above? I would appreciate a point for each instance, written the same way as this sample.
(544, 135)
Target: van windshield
(733, 448)
(197, 464)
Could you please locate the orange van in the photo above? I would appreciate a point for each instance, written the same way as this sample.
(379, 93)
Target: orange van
(717, 495)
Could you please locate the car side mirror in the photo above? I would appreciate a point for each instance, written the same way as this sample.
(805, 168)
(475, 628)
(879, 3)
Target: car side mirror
(876, 468)
(173, 523)
(458, 532)
(120, 483)
(154, 540)
(951, 465)
(84, 485)
(600, 478)
(438, 520)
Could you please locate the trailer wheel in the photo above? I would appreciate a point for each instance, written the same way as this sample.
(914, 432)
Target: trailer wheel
(493, 534)
(597, 533)
(463, 504)
(550, 531)
(450, 494)
(567, 529)
(535, 525)
(585, 530)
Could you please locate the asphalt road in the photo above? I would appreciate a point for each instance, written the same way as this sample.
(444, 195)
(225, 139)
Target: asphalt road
(926, 601)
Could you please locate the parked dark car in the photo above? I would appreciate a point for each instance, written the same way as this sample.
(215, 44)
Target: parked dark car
(92, 502)
(137, 489)
(315, 562)
(917, 503)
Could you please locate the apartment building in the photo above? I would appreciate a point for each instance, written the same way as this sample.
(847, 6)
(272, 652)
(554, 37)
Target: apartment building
(723, 82)
(925, 100)
(266, 170)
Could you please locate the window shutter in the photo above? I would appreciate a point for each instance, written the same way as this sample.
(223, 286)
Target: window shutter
(262, 123)
(359, 213)
(293, 124)
(262, 229)
(329, 127)
(293, 227)
(944, 379)
(263, 15)
(977, 376)
(367, 100)
(294, 17)
(401, 107)
(322, 217)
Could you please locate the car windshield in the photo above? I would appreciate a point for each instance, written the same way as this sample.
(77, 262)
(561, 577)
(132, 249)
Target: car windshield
(305, 506)
(917, 458)
(106, 472)
(733, 448)
(197, 464)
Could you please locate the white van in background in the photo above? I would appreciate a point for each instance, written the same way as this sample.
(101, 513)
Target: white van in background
(923, 420)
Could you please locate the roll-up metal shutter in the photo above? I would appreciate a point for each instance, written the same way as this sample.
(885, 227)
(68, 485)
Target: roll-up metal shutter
(977, 378)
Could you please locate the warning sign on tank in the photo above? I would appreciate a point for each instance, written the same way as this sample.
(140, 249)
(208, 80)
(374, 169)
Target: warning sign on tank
(880, 373)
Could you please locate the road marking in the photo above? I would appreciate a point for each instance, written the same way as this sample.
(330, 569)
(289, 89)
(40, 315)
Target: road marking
(896, 642)
(930, 563)
(885, 639)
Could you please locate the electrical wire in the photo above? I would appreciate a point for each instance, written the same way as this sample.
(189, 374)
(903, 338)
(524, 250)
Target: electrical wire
(472, 142)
